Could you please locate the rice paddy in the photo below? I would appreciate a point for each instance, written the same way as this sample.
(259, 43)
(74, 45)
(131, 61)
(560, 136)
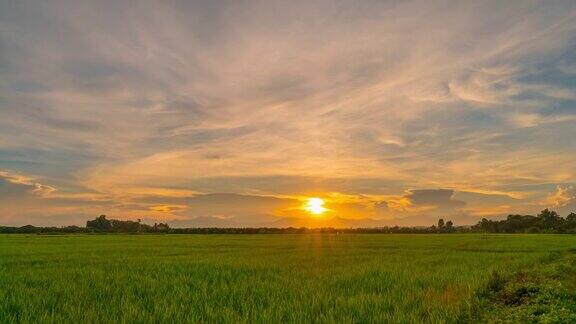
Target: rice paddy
(263, 278)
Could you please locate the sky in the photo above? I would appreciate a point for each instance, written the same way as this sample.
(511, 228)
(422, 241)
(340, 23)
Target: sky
(235, 112)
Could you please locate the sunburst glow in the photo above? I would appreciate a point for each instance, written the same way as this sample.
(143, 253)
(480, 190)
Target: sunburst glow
(315, 206)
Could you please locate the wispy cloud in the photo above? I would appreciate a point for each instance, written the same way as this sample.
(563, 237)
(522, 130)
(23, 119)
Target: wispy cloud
(115, 102)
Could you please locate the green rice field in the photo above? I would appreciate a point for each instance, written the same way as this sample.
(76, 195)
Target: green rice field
(257, 278)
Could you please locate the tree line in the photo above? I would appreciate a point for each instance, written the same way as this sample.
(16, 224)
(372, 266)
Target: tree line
(102, 224)
(546, 221)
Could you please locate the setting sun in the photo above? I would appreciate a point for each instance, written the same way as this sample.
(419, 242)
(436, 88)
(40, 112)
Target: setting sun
(315, 206)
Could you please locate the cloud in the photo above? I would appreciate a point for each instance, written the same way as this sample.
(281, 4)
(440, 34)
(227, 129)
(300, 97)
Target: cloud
(563, 199)
(256, 210)
(439, 198)
(228, 205)
(20, 194)
(25, 200)
(487, 86)
(114, 101)
(522, 120)
(17, 186)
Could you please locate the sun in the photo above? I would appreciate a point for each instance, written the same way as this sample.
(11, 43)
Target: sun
(315, 206)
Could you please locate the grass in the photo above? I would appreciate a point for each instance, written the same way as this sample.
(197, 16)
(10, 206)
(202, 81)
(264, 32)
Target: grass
(264, 278)
(543, 293)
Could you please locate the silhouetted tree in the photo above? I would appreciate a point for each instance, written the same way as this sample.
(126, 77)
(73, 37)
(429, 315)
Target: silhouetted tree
(548, 218)
(161, 227)
(440, 223)
(100, 224)
(449, 227)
